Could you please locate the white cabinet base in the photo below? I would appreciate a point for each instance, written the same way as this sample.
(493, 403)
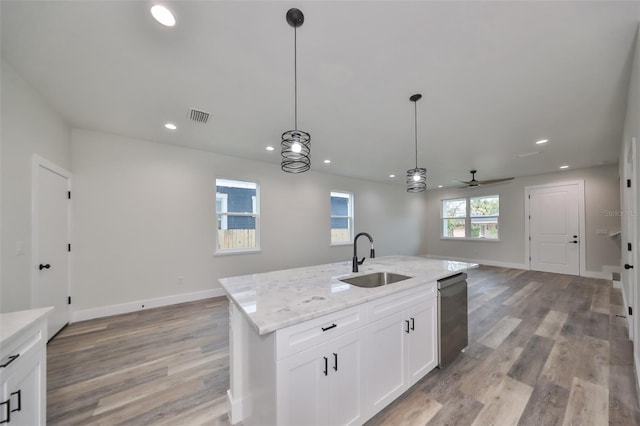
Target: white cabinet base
(317, 372)
(23, 368)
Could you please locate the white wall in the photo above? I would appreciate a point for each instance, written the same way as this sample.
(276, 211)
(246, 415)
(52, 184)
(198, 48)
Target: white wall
(601, 195)
(29, 126)
(144, 215)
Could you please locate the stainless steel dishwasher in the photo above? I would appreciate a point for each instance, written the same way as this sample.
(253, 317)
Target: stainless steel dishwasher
(452, 318)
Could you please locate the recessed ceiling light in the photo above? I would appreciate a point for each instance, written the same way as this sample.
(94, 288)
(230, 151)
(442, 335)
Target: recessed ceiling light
(270, 148)
(327, 161)
(564, 167)
(163, 15)
(170, 126)
(528, 154)
(392, 176)
(440, 186)
(541, 141)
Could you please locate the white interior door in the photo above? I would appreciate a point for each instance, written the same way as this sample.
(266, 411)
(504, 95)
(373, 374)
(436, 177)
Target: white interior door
(629, 248)
(554, 229)
(50, 242)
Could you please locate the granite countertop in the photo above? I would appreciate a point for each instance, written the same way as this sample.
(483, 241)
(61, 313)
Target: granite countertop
(12, 323)
(275, 300)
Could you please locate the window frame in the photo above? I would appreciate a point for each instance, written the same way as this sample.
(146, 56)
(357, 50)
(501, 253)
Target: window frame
(349, 216)
(443, 218)
(468, 219)
(223, 216)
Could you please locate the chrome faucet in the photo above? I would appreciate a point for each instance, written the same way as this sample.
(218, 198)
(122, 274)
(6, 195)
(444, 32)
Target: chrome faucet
(357, 262)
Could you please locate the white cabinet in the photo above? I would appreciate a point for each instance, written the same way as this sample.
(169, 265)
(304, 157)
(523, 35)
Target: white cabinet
(23, 375)
(386, 361)
(420, 340)
(323, 385)
(401, 345)
(339, 369)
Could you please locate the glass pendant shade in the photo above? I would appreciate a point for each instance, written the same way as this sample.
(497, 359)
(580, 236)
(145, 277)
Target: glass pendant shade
(416, 179)
(296, 151)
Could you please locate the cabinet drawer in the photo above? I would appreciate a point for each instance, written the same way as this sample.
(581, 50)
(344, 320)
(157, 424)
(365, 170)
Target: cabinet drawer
(398, 302)
(14, 353)
(316, 331)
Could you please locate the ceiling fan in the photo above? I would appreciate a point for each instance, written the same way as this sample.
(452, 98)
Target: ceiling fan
(474, 182)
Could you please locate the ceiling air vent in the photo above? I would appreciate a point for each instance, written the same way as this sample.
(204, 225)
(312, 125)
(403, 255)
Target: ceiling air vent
(198, 116)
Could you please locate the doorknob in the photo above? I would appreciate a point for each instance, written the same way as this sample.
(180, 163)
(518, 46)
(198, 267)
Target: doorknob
(573, 242)
(627, 266)
(47, 266)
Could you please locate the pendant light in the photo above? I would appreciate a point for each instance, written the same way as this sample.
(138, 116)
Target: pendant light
(416, 178)
(296, 144)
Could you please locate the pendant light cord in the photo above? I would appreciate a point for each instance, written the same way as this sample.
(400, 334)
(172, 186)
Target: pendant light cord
(415, 104)
(295, 75)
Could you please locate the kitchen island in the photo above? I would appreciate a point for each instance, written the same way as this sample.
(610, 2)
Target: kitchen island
(308, 348)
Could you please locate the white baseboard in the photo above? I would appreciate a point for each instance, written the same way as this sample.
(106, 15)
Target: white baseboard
(236, 409)
(594, 274)
(480, 261)
(589, 274)
(124, 308)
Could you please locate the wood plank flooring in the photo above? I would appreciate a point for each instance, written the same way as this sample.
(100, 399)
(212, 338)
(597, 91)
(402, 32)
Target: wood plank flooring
(544, 349)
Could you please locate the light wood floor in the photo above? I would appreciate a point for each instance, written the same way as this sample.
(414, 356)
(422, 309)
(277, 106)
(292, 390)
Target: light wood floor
(545, 349)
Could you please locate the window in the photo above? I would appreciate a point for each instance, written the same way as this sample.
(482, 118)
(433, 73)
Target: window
(485, 212)
(237, 215)
(341, 217)
(454, 218)
(473, 217)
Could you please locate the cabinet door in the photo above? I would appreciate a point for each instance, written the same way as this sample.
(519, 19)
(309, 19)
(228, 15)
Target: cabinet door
(386, 361)
(303, 388)
(421, 341)
(23, 387)
(347, 381)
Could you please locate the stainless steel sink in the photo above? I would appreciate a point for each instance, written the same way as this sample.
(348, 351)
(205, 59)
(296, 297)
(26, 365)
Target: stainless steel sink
(375, 279)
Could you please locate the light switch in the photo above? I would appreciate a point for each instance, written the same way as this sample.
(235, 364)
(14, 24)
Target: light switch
(19, 248)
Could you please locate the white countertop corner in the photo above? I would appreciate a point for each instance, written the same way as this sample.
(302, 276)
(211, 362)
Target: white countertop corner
(12, 323)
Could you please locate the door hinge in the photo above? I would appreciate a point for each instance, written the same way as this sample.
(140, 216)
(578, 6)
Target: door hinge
(69, 194)
(628, 183)
(630, 310)
(629, 246)
(69, 300)
(68, 247)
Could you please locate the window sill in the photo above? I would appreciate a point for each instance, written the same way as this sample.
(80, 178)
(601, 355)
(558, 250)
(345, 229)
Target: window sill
(483, 240)
(232, 252)
(346, 243)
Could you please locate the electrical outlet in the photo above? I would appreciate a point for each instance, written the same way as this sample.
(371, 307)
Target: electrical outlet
(180, 280)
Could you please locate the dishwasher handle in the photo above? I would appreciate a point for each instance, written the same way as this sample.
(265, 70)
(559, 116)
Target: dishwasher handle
(449, 281)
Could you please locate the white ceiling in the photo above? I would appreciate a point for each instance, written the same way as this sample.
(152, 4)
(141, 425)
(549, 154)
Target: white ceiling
(495, 77)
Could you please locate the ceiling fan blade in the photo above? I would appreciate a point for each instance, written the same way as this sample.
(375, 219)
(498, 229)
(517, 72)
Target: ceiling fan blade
(466, 182)
(492, 181)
